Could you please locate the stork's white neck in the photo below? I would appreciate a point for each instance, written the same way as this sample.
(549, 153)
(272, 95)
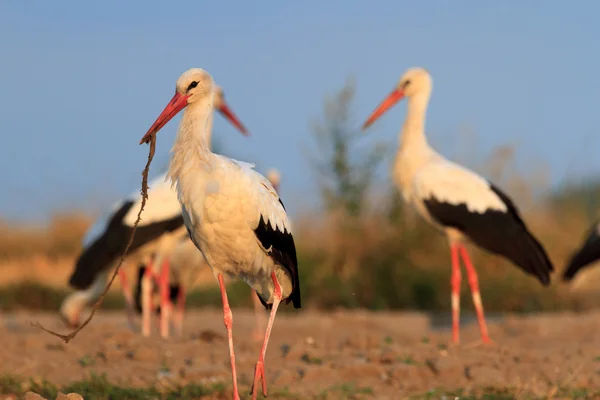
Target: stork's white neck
(193, 137)
(413, 130)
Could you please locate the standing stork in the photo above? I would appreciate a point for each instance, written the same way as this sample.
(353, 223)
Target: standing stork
(157, 233)
(106, 240)
(459, 203)
(233, 214)
(586, 255)
(185, 264)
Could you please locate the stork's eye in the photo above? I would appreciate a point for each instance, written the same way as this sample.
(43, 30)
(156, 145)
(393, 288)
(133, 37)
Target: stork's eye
(192, 85)
(406, 83)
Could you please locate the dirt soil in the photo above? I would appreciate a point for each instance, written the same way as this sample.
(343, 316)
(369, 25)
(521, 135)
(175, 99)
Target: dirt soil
(381, 355)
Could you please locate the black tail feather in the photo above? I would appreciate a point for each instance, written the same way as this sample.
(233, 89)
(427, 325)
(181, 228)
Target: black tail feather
(585, 256)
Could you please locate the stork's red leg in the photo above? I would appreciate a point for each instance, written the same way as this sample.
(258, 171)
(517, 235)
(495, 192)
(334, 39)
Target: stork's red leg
(259, 370)
(474, 283)
(147, 287)
(165, 301)
(259, 314)
(178, 314)
(128, 297)
(228, 319)
(455, 297)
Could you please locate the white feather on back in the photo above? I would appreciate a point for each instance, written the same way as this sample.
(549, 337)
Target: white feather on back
(261, 198)
(453, 184)
(162, 204)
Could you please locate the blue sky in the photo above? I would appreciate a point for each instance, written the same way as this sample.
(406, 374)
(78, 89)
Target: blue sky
(81, 83)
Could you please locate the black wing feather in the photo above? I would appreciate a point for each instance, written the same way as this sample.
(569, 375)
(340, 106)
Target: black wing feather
(502, 233)
(107, 248)
(585, 256)
(283, 251)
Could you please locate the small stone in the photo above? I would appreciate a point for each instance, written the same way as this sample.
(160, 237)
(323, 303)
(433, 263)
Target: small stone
(33, 396)
(285, 349)
(70, 396)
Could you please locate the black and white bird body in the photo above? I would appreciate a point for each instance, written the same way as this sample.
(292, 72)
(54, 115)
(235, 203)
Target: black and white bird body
(458, 202)
(586, 255)
(233, 214)
(107, 239)
(159, 230)
(186, 263)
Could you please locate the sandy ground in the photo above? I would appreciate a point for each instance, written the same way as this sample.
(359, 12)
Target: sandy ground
(383, 355)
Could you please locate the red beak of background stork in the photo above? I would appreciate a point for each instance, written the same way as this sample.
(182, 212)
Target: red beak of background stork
(178, 103)
(390, 100)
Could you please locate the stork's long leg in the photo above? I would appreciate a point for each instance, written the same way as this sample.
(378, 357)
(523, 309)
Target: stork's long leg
(259, 370)
(228, 320)
(474, 283)
(179, 310)
(455, 297)
(147, 287)
(128, 298)
(165, 301)
(259, 314)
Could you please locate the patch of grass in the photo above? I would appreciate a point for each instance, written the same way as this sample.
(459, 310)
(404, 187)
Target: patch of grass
(311, 360)
(99, 388)
(498, 393)
(349, 390)
(35, 295)
(408, 360)
(86, 361)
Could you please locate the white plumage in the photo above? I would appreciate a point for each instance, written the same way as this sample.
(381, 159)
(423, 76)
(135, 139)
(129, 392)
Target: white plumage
(458, 202)
(186, 262)
(158, 231)
(451, 183)
(232, 213)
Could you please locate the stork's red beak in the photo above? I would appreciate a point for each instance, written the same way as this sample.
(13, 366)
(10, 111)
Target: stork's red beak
(227, 113)
(177, 103)
(385, 105)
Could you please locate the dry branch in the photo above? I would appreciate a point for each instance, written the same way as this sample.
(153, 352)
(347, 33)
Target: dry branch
(66, 338)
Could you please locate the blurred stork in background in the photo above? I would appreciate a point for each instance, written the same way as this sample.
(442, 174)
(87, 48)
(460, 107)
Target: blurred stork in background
(586, 255)
(457, 202)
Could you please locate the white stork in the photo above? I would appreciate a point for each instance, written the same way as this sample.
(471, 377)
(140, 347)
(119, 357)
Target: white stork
(586, 255)
(158, 232)
(233, 214)
(459, 203)
(185, 264)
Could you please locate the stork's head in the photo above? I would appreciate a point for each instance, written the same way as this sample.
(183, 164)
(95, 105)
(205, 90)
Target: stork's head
(415, 81)
(194, 86)
(274, 177)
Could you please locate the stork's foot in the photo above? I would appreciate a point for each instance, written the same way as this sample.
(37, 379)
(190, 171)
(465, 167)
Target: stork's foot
(259, 373)
(485, 341)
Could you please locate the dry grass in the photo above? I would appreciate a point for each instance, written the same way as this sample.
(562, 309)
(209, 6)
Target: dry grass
(385, 258)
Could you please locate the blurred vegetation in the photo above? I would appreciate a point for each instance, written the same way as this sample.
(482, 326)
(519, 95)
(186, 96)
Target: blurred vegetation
(366, 248)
